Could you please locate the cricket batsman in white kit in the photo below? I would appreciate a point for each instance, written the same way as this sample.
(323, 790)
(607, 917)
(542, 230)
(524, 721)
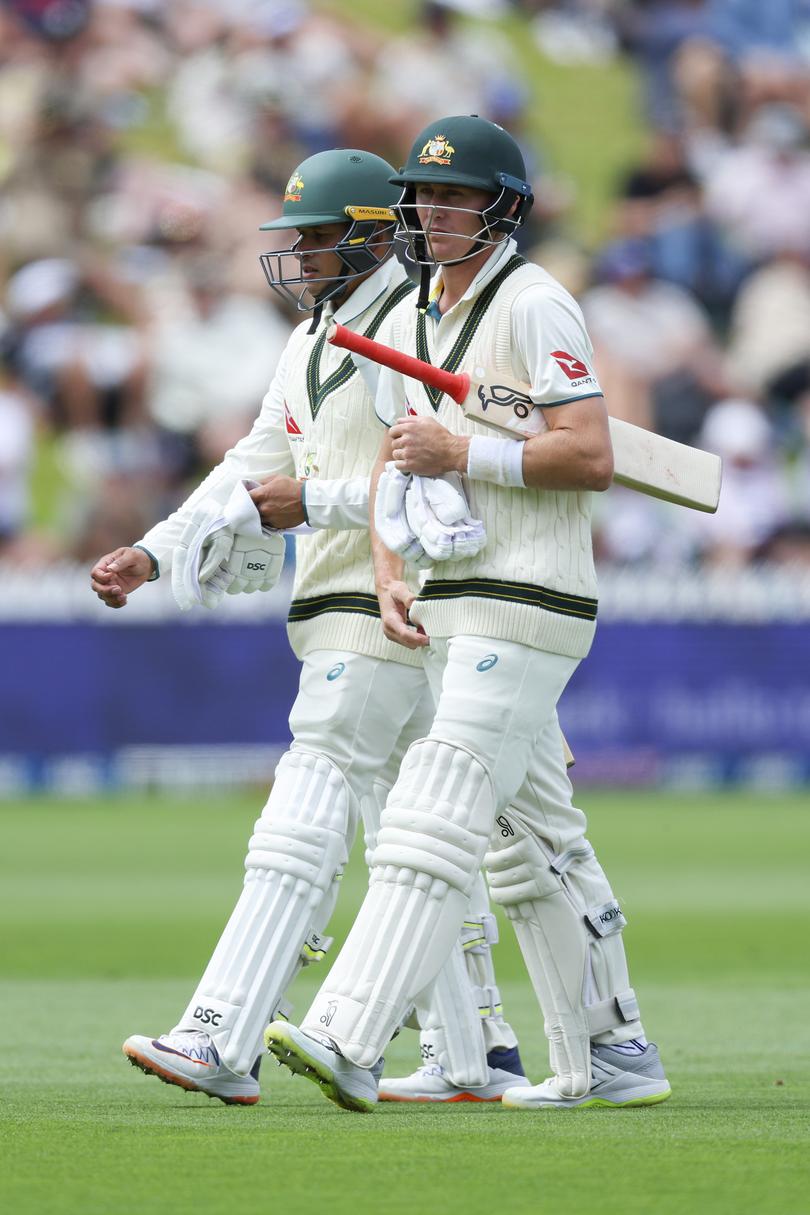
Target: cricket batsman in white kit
(362, 698)
(503, 633)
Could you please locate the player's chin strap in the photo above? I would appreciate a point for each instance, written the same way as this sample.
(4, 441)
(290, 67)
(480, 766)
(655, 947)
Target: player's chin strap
(423, 298)
(316, 319)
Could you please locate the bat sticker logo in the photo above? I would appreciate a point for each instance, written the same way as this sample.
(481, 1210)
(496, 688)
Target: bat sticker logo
(505, 398)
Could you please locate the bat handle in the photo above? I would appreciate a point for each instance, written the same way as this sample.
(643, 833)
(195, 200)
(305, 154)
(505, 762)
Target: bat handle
(455, 384)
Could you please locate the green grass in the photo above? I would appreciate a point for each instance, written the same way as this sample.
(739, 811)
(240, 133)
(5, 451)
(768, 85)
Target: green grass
(107, 914)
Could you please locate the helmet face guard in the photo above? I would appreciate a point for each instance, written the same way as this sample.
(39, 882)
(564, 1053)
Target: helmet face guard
(495, 220)
(468, 151)
(365, 245)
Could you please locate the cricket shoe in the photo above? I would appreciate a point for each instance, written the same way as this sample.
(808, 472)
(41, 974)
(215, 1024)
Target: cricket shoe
(189, 1059)
(317, 1058)
(432, 1083)
(618, 1079)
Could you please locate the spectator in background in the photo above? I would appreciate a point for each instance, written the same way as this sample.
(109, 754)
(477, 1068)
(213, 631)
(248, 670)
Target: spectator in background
(760, 190)
(210, 365)
(653, 348)
(754, 502)
(88, 371)
(442, 66)
(770, 325)
(662, 202)
(659, 34)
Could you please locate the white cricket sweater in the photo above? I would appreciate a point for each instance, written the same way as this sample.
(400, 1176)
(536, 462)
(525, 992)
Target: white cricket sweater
(317, 422)
(534, 582)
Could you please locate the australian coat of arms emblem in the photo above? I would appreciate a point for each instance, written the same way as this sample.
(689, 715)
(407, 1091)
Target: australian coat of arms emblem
(437, 151)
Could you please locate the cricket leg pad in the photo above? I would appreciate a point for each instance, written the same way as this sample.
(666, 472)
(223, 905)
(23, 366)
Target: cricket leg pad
(295, 857)
(431, 842)
(611, 1006)
(461, 1016)
(451, 1033)
(554, 932)
(478, 935)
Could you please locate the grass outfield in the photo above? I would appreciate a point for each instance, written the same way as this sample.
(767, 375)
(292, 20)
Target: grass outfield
(102, 939)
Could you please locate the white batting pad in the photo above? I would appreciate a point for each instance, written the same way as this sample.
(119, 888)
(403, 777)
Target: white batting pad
(460, 1014)
(447, 1013)
(478, 934)
(295, 858)
(451, 1033)
(432, 838)
(553, 942)
(578, 971)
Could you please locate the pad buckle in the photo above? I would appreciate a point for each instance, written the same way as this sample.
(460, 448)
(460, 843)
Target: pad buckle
(315, 948)
(478, 935)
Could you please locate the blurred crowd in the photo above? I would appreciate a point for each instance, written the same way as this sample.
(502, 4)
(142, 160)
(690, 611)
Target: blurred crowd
(143, 142)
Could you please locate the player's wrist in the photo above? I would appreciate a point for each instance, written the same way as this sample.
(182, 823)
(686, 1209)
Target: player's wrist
(497, 460)
(461, 453)
(154, 564)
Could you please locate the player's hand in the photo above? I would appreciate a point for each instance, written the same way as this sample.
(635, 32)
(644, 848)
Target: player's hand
(278, 501)
(395, 601)
(117, 575)
(424, 447)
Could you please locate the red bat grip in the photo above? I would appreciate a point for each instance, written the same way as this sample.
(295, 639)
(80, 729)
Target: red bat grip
(456, 385)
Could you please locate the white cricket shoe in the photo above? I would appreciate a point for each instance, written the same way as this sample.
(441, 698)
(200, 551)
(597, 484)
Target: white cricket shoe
(618, 1080)
(189, 1059)
(318, 1059)
(432, 1083)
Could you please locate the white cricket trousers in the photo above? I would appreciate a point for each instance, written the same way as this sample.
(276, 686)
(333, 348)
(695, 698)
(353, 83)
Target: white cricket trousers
(494, 701)
(359, 712)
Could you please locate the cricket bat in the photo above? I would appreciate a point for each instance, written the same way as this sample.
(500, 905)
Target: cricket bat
(642, 459)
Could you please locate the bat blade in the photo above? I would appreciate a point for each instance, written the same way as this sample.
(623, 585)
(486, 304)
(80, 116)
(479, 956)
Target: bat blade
(643, 460)
(665, 469)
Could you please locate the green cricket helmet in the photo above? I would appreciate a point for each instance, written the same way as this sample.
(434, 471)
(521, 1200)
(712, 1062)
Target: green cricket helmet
(343, 186)
(464, 150)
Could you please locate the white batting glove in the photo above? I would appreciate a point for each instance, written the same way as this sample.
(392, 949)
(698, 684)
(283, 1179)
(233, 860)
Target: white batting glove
(254, 564)
(197, 557)
(200, 564)
(438, 513)
(390, 519)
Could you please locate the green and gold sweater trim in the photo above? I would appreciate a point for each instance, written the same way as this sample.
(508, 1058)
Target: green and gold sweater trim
(511, 592)
(318, 391)
(345, 601)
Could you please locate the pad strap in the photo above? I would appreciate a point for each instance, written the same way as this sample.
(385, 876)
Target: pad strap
(488, 1000)
(477, 935)
(561, 863)
(613, 1013)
